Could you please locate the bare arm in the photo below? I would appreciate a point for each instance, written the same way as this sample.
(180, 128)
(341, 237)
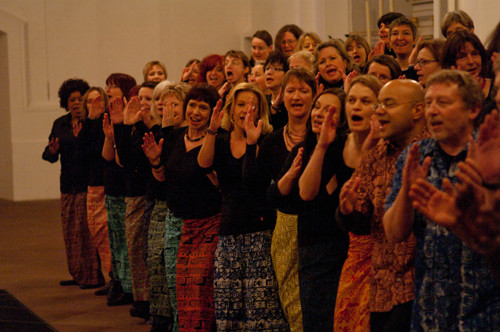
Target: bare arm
(207, 151)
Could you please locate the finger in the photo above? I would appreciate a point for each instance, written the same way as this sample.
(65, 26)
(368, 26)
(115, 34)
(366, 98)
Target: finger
(425, 166)
(448, 187)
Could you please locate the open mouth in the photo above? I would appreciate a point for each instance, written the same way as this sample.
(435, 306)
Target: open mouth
(356, 118)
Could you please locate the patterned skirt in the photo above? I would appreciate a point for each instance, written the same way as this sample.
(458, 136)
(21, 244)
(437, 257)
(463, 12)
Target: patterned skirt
(98, 224)
(81, 253)
(351, 311)
(195, 274)
(285, 255)
(116, 208)
(246, 289)
(135, 244)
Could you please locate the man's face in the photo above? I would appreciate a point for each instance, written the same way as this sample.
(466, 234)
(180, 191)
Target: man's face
(448, 118)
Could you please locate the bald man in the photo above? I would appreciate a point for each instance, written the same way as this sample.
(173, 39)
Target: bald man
(401, 117)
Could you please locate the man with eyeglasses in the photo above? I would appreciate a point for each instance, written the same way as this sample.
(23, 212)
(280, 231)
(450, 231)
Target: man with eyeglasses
(454, 287)
(400, 114)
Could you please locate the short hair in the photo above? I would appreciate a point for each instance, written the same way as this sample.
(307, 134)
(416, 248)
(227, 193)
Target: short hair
(68, 87)
(468, 88)
(86, 97)
(201, 92)
(306, 55)
(358, 40)
(123, 81)
(265, 36)
(149, 84)
(300, 43)
(209, 63)
(277, 57)
(457, 16)
(342, 126)
(455, 43)
(191, 61)
(435, 46)
(339, 46)
(302, 75)
(157, 94)
(403, 21)
(150, 66)
(240, 55)
(371, 82)
(388, 61)
(387, 18)
(292, 28)
(261, 102)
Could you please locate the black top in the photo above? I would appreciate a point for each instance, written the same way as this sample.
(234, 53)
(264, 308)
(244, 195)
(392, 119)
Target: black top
(93, 137)
(74, 168)
(188, 191)
(279, 119)
(328, 85)
(244, 209)
(410, 73)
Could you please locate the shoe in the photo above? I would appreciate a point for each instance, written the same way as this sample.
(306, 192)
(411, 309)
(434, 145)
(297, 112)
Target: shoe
(68, 282)
(140, 309)
(123, 299)
(92, 286)
(105, 289)
(115, 292)
(162, 324)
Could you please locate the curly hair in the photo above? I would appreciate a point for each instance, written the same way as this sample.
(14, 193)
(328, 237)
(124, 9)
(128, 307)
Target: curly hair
(68, 87)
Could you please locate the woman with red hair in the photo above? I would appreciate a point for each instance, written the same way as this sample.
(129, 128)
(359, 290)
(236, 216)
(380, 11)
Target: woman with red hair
(212, 71)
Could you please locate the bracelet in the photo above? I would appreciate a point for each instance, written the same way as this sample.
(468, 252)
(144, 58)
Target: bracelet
(211, 132)
(153, 166)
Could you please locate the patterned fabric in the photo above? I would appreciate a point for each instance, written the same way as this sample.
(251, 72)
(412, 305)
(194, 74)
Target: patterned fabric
(133, 229)
(173, 229)
(351, 310)
(319, 273)
(98, 224)
(146, 219)
(81, 253)
(285, 255)
(393, 273)
(195, 274)
(159, 298)
(455, 290)
(116, 208)
(246, 290)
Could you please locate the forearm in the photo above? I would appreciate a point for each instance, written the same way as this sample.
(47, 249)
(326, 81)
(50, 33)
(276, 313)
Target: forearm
(398, 219)
(310, 179)
(108, 150)
(286, 184)
(206, 154)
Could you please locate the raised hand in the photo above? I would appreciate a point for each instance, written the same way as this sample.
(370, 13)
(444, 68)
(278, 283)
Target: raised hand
(328, 128)
(252, 131)
(413, 55)
(187, 71)
(319, 86)
(151, 149)
(132, 112)
(374, 136)
(348, 79)
(294, 171)
(116, 109)
(168, 115)
(412, 169)
(107, 127)
(54, 145)
(349, 195)
(76, 128)
(379, 49)
(223, 89)
(217, 115)
(96, 108)
(487, 148)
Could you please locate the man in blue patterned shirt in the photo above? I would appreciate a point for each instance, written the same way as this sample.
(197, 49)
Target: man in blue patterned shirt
(454, 288)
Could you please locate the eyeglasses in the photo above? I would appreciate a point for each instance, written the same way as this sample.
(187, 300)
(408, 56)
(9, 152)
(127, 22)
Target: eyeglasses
(387, 105)
(274, 69)
(423, 62)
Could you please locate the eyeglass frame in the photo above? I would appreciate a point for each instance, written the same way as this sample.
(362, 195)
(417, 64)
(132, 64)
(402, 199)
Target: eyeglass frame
(423, 62)
(386, 107)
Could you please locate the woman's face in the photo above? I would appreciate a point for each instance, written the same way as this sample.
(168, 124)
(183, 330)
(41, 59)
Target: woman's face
(288, 43)
(330, 64)
(74, 105)
(193, 78)
(359, 107)
(215, 77)
(357, 52)
(198, 114)
(309, 44)
(235, 70)
(93, 95)
(455, 26)
(240, 108)
(260, 50)
(402, 40)
(156, 74)
(145, 96)
(274, 73)
(469, 60)
(426, 65)
(172, 101)
(257, 77)
(380, 71)
(113, 91)
(298, 98)
(320, 109)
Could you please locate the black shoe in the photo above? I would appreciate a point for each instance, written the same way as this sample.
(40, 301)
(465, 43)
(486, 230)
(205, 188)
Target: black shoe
(162, 324)
(123, 299)
(105, 289)
(92, 286)
(68, 282)
(116, 291)
(140, 309)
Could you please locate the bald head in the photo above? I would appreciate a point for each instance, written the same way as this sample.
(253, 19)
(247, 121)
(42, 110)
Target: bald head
(401, 111)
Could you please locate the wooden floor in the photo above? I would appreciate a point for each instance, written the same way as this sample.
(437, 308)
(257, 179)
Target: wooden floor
(32, 262)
